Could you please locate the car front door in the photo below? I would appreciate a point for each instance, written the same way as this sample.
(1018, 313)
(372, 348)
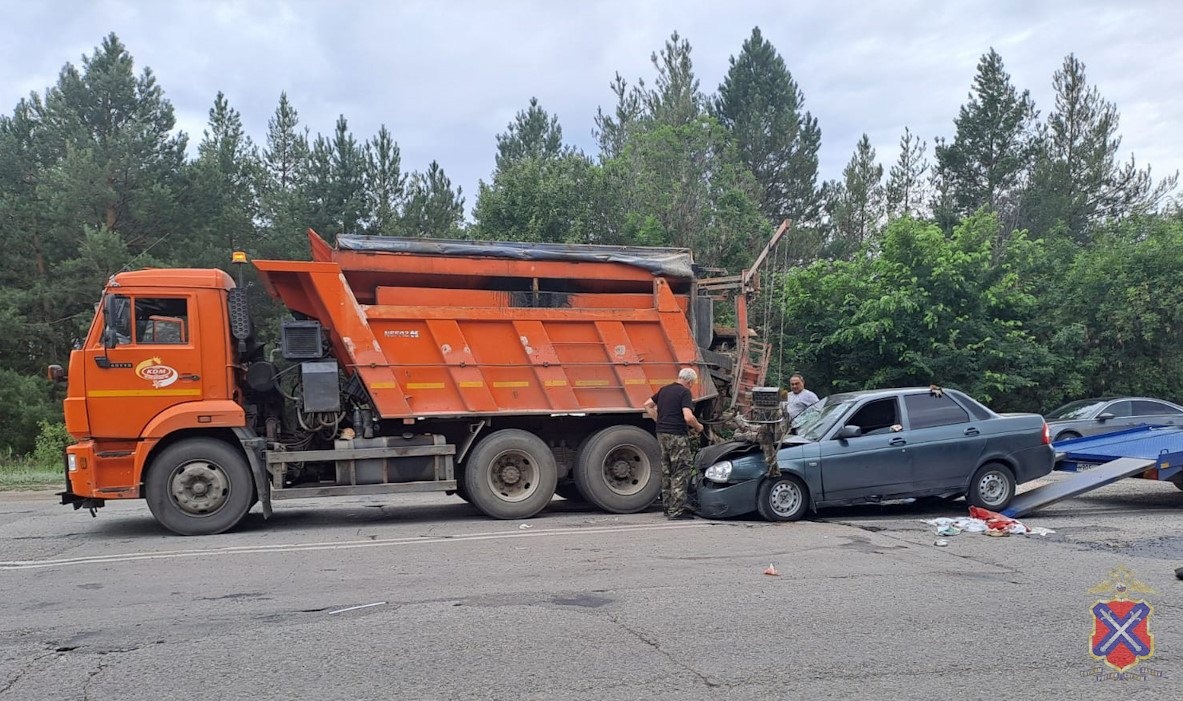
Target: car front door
(876, 464)
(946, 444)
(1119, 415)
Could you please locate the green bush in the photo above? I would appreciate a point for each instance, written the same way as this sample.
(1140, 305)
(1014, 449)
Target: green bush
(51, 444)
(25, 403)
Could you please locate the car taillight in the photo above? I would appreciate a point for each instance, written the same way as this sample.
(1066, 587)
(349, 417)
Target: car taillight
(1047, 434)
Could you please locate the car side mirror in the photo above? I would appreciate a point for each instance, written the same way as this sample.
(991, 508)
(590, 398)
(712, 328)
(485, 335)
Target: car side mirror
(1104, 417)
(849, 432)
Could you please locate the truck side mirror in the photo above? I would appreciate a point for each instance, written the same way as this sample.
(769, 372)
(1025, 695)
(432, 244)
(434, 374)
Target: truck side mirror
(55, 373)
(110, 340)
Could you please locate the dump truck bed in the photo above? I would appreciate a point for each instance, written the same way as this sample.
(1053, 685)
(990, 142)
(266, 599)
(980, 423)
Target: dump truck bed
(453, 329)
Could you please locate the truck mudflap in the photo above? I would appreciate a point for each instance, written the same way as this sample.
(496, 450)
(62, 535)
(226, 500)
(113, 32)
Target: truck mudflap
(253, 446)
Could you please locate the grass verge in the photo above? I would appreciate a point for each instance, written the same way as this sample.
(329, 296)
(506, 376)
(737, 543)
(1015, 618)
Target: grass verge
(25, 475)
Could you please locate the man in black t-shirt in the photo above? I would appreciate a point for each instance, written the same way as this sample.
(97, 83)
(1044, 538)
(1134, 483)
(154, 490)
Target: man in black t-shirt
(673, 410)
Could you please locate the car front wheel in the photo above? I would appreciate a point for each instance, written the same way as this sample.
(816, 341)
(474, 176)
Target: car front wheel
(783, 498)
(992, 487)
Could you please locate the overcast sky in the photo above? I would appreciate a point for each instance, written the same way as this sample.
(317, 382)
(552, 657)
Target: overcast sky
(447, 77)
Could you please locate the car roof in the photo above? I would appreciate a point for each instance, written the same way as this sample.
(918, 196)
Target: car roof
(889, 392)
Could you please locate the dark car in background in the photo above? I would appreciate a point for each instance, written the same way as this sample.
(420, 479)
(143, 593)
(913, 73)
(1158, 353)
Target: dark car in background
(876, 445)
(1090, 417)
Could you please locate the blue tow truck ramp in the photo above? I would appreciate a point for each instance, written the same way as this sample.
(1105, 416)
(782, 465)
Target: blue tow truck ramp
(1152, 451)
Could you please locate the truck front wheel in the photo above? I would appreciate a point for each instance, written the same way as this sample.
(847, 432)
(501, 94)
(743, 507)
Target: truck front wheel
(511, 474)
(199, 487)
(619, 469)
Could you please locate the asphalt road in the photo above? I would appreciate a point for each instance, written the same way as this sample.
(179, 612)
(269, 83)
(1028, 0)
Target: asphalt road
(419, 597)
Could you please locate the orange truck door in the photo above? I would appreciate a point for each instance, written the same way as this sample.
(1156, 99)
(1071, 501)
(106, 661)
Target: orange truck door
(155, 363)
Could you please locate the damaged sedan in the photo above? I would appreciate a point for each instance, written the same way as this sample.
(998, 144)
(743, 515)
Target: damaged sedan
(877, 445)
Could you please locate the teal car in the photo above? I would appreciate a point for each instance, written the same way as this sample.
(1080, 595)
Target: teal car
(875, 445)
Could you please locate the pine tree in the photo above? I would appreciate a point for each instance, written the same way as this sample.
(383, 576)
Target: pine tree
(857, 206)
(433, 208)
(990, 155)
(284, 210)
(226, 181)
(905, 191)
(532, 134)
(762, 106)
(1078, 181)
(385, 183)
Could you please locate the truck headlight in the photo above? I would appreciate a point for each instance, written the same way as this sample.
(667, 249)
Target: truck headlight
(71, 462)
(719, 472)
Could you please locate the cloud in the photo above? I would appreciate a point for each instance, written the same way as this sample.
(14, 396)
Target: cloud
(447, 77)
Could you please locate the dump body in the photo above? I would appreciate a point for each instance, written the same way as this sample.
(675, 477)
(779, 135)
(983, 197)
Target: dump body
(483, 330)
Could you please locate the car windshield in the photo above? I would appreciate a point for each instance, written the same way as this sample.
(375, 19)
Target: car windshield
(1081, 409)
(813, 423)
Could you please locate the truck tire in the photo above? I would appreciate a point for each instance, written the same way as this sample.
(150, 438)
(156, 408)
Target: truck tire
(619, 469)
(992, 487)
(510, 474)
(199, 486)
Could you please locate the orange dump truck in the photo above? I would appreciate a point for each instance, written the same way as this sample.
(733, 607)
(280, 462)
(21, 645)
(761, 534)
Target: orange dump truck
(502, 372)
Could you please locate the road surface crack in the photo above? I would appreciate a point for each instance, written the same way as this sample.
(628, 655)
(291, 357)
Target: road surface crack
(657, 647)
(25, 670)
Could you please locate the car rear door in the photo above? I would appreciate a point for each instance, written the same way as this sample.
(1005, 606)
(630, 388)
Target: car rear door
(945, 441)
(1148, 411)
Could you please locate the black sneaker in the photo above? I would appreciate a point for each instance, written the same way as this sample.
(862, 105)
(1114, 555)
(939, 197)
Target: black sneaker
(684, 516)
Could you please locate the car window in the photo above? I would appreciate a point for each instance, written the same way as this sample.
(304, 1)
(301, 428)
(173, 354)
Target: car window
(1145, 407)
(878, 416)
(1080, 409)
(927, 410)
(975, 408)
(1120, 409)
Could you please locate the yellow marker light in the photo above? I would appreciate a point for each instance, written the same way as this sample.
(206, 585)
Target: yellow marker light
(238, 257)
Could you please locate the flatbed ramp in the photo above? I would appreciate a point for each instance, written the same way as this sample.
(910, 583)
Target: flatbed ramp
(1154, 451)
(1087, 481)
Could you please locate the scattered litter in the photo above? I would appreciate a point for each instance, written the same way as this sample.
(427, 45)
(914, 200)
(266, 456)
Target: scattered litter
(524, 526)
(984, 521)
(997, 533)
(771, 571)
(941, 542)
(1179, 573)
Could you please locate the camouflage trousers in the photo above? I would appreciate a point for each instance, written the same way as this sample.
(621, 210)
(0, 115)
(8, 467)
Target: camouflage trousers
(675, 472)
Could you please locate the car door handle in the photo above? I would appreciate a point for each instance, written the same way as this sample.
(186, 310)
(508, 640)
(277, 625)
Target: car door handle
(971, 432)
(897, 441)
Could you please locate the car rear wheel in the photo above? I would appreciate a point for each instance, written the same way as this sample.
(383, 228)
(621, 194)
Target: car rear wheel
(783, 498)
(992, 487)
(1066, 436)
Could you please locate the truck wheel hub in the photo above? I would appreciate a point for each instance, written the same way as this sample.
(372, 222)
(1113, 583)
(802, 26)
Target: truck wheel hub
(199, 487)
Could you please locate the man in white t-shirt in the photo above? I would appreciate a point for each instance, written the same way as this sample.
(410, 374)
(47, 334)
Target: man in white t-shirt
(799, 397)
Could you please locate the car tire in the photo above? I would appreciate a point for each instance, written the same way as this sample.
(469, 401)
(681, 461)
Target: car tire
(783, 498)
(1177, 480)
(1066, 436)
(199, 486)
(992, 487)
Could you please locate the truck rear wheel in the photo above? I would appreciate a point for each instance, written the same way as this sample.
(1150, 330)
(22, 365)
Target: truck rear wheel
(511, 474)
(619, 469)
(199, 486)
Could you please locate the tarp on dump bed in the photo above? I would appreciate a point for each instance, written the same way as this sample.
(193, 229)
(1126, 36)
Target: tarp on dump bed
(666, 262)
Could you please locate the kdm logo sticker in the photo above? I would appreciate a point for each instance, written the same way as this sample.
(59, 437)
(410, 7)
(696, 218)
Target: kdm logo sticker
(158, 374)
